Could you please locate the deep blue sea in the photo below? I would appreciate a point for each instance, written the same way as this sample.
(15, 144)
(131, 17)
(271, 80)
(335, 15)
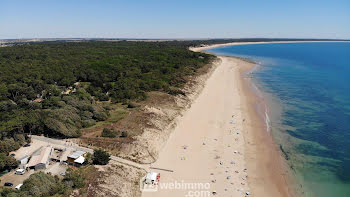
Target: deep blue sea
(310, 84)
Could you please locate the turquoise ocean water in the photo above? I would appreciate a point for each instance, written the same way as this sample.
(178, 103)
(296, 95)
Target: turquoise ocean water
(309, 84)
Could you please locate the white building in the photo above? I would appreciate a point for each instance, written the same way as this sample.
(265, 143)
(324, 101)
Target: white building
(80, 160)
(24, 160)
(41, 161)
(76, 156)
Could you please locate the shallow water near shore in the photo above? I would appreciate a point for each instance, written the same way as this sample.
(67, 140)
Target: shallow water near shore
(307, 88)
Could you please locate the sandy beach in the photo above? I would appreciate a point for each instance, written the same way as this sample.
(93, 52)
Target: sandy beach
(222, 142)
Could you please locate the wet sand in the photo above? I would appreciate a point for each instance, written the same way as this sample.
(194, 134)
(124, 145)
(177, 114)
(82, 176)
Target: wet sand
(269, 174)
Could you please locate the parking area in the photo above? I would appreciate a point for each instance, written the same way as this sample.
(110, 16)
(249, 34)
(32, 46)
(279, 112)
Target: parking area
(15, 179)
(55, 168)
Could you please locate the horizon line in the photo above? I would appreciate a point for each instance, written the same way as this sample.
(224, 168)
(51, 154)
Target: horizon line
(173, 39)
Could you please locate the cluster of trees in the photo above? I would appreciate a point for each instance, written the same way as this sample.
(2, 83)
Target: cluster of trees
(41, 184)
(52, 88)
(7, 162)
(124, 70)
(7, 145)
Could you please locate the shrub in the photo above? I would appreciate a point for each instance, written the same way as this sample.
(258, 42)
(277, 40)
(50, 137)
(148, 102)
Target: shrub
(87, 123)
(132, 105)
(100, 116)
(176, 92)
(88, 158)
(103, 97)
(106, 132)
(74, 178)
(100, 157)
(124, 134)
(41, 184)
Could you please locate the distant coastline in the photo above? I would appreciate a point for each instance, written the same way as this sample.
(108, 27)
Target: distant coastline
(212, 46)
(212, 43)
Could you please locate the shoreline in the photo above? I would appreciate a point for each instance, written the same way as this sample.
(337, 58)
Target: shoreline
(280, 181)
(270, 172)
(221, 140)
(207, 144)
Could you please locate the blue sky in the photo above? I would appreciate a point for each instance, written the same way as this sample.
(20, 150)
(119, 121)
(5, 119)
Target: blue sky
(174, 19)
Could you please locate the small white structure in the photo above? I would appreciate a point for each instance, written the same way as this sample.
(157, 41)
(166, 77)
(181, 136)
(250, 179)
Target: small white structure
(18, 186)
(80, 160)
(75, 155)
(152, 178)
(23, 160)
(20, 171)
(41, 161)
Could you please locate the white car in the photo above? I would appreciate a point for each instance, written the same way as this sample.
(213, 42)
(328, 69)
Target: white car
(20, 171)
(18, 186)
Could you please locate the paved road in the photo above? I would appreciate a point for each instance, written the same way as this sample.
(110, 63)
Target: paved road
(72, 145)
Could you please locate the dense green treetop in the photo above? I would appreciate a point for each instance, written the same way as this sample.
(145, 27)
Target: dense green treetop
(51, 88)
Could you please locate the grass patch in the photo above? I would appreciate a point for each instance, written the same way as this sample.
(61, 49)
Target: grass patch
(116, 113)
(106, 132)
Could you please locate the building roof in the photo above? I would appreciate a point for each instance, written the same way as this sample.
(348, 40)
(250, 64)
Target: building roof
(80, 160)
(76, 154)
(25, 157)
(38, 100)
(40, 158)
